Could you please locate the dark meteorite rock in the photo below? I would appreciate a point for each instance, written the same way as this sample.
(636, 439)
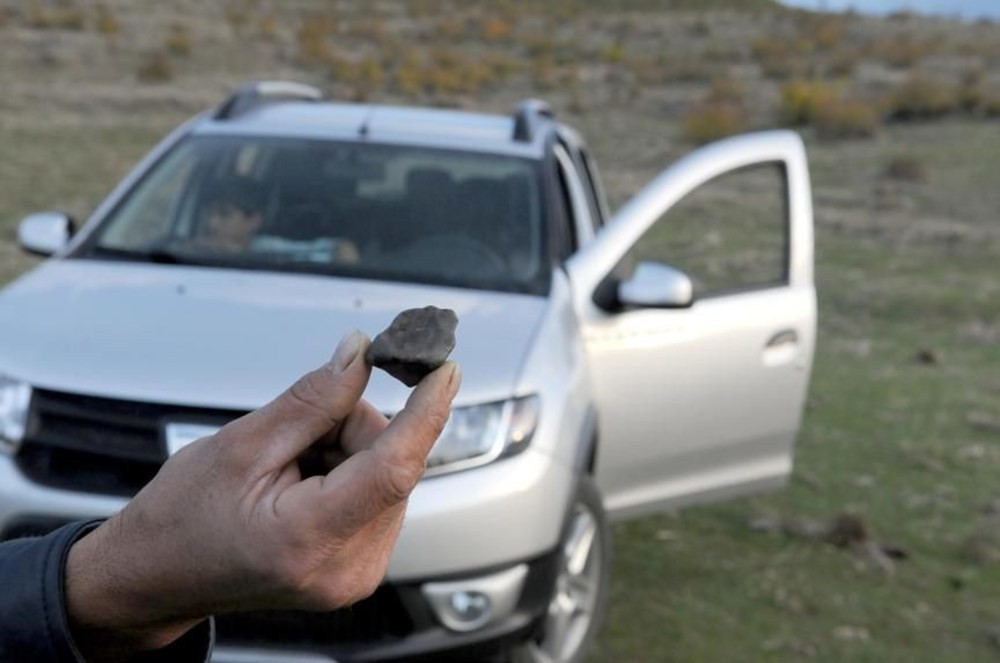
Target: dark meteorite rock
(417, 342)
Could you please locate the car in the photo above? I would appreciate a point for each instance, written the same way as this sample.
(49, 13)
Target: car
(613, 365)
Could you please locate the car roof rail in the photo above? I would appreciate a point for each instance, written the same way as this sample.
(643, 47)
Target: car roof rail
(259, 93)
(528, 116)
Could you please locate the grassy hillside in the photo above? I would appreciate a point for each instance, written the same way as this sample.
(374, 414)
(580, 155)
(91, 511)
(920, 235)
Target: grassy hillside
(902, 121)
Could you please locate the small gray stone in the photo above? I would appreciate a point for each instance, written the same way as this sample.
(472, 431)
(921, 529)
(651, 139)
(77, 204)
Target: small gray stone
(417, 342)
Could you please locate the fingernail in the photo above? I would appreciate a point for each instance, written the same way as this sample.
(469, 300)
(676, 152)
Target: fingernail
(455, 379)
(347, 351)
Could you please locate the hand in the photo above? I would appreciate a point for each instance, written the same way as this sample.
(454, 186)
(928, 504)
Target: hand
(230, 524)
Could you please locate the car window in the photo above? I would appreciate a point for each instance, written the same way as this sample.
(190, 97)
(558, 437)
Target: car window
(364, 209)
(729, 234)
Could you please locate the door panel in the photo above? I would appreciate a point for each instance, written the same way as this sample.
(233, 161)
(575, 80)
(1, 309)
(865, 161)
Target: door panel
(705, 402)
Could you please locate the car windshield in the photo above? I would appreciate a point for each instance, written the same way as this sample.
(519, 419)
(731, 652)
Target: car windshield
(357, 209)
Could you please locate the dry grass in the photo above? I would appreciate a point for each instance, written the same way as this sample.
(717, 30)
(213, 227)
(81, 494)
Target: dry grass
(155, 68)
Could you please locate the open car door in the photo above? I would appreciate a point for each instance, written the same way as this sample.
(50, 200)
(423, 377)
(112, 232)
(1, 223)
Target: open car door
(698, 312)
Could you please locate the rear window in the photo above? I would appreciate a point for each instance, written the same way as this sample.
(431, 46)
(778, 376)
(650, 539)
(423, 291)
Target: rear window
(358, 209)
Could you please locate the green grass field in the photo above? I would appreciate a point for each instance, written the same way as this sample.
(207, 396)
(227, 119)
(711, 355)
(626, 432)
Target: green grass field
(902, 426)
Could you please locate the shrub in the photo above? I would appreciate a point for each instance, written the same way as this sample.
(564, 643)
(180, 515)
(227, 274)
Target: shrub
(726, 90)
(543, 72)
(497, 29)
(921, 97)
(801, 101)
(843, 64)
(780, 58)
(155, 68)
(368, 76)
(178, 41)
(107, 23)
(236, 17)
(708, 121)
(903, 52)
(451, 29)
(681, 69)
(65, 17)
(615, 53)
(267, 27)
(852, 118)
(822, 31)
(312, 47)
(906, 168)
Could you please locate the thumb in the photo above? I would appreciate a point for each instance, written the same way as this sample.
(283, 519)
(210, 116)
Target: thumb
(315, 405)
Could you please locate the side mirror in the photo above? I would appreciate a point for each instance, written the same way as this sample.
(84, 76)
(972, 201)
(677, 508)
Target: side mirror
(655, 285)
(45, 233)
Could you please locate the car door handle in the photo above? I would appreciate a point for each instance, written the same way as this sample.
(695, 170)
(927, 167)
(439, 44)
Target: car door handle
(782, 348)
(782, 338)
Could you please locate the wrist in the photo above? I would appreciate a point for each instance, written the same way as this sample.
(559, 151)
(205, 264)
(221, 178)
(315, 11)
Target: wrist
(109, 617)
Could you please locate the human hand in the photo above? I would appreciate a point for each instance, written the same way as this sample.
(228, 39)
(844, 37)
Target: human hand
(230, 524)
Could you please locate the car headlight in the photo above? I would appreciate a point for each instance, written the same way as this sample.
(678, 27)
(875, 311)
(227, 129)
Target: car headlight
(14, 399)
(479, 434)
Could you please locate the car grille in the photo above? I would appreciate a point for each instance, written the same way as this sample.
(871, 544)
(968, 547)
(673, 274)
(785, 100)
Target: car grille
(379, 618)
(100, 445)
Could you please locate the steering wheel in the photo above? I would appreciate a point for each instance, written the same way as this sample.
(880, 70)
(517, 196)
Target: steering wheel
(449, 249)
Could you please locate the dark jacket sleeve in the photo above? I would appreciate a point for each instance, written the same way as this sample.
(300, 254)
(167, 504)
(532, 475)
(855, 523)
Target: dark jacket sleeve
(33, 622)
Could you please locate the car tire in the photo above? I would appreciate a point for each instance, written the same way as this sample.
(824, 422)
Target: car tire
(580, 596)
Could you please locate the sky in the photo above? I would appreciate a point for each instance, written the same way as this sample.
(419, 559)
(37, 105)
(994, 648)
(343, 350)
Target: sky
(970, 9)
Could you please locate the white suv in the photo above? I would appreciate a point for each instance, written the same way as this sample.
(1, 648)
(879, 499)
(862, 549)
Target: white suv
(599, 382)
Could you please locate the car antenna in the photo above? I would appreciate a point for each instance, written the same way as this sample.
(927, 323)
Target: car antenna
(364, 128)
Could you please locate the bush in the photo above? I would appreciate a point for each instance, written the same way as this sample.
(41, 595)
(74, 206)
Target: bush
(822, 31)
(906, 168)
(920, 98)
(801, 101)
(155, 68)
(780, 58)
(843, 64)
(312, 47)
(107, 23)
(497, 29)
(850, 118)
(178, 41)
(725, 90)
(903, 52)
(615, 53)
(64, 17)
(267, 27)
(707, 121)
(236, 17)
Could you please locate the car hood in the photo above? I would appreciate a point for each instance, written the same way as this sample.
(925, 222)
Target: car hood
(233, 339)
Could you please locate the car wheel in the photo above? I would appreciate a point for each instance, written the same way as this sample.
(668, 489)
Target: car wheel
(579, 601)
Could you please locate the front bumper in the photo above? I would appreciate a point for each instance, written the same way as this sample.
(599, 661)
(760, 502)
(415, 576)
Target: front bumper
(495, 517)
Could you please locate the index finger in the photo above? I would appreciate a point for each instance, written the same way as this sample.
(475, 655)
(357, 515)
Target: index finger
(378, 478)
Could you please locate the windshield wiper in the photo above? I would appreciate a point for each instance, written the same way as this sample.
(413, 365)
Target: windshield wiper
(155, 255)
